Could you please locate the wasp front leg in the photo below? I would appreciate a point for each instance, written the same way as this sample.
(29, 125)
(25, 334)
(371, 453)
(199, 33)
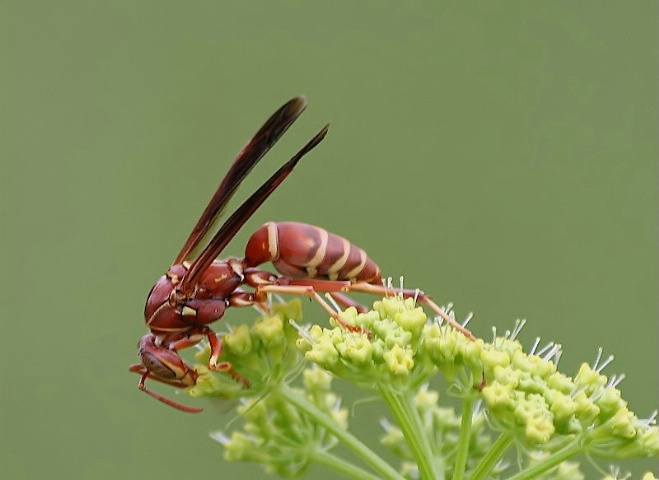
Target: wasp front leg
(166, 366)
(197, 313)
(215, 346)
(139, 369)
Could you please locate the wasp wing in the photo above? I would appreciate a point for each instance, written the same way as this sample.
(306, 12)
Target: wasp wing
(248, 157)
(235, 222)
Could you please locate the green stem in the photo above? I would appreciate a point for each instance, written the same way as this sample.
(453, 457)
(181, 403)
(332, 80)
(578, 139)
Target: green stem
(465, 438)
(551, 461)
(352, 442)
(341, 466)
(403, 409)
(488, 462)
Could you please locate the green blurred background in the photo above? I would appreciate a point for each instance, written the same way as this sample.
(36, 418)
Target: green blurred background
(502, 156)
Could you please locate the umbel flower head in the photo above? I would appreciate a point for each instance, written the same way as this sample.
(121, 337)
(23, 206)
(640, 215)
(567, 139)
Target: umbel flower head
(382, 347)
(509, 398)
(264, 354)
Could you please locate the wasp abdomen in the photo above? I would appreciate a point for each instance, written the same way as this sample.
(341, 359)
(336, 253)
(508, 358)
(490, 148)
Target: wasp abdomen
(300, 250)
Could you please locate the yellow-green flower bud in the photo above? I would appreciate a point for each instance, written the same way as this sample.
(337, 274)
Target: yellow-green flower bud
(610, 402)
(529, 383)
(506, 376)
(471, 352)
(499, 397)
(563, 407)
(541, 368)
(586, 410)
(622, 424)
(569, 470)
(252, 410)
(393, 437)
(441, 343)
(492, 359)
(239, 447)
(425, 398)
(521, 361)
(589, 379)
(560, 382)
(471, 356)
(529, 408)
(398, 336)
(239, 341)
(539, 431)
(411, 320)
(317, 380)
(399, 361)
(340, 416)
(270, 330)
(359, 351)
(649, 441)
(210, 384)
(348, 317)
(368, 320)
(323, 353)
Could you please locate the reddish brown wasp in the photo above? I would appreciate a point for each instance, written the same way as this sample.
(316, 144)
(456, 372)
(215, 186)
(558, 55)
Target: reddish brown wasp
(195, 292)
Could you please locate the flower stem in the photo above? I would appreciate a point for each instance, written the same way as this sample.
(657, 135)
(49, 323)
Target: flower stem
(352, 442)
(551, 461)
(341, 466)
(493, 456)
(403, 409)
(464, 439)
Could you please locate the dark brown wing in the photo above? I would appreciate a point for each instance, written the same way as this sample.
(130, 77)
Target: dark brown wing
(249, 156)
(235, 222)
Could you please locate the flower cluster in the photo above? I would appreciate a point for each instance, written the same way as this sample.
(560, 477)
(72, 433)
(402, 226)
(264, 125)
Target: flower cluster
(509, 398)
(546, 409)
(263, 354)
(279, 435)
(380, 348)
